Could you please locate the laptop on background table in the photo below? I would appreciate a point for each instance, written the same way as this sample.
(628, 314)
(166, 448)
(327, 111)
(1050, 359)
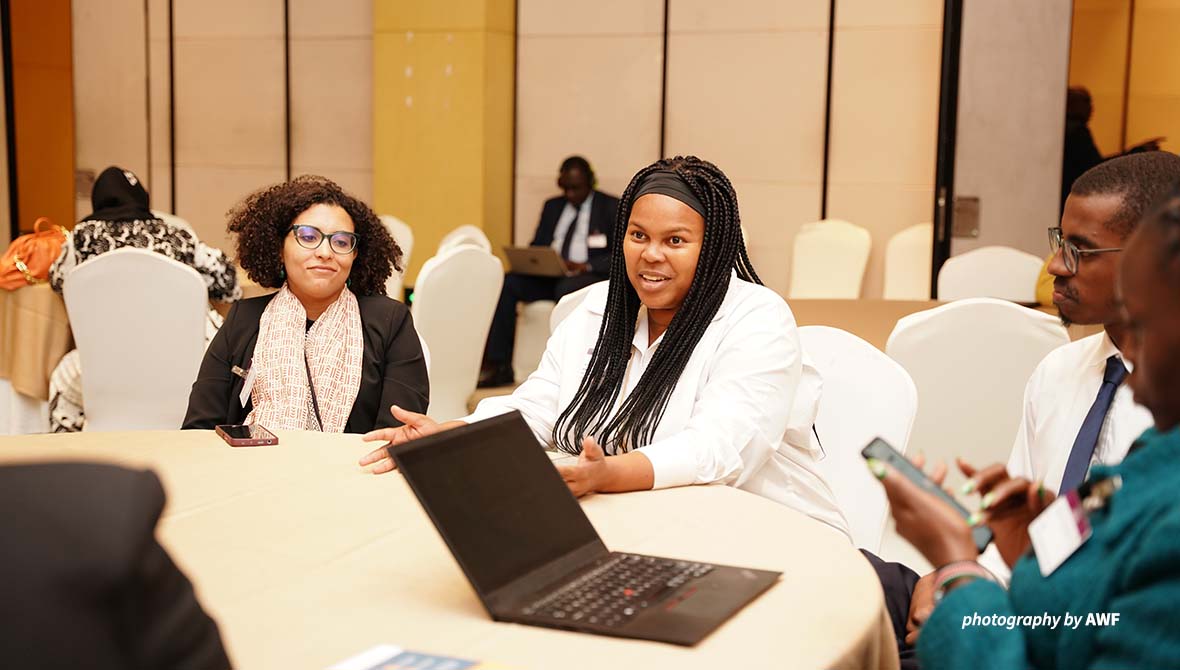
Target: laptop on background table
(533, 557)
(536, 261)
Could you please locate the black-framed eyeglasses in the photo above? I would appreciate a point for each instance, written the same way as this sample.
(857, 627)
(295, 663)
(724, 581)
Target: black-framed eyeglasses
(310, 237)
(1071, 254)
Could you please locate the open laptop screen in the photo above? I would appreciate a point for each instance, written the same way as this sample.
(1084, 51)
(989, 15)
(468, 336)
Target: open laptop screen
(496, 499)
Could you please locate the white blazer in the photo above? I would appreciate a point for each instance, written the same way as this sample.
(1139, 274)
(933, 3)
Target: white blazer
(741, 413)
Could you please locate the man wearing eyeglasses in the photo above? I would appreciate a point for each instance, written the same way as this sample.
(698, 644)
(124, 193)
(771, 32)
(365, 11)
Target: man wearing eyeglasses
(1077, 410)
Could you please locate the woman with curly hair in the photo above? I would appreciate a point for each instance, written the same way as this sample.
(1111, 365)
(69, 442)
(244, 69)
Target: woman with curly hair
(327, 352)
(681, 369)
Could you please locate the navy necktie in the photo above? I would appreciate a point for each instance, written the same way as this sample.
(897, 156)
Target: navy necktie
(1087, 440)
(569, 234)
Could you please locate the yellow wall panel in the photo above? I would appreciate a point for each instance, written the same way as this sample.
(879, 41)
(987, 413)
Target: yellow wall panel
(442, 119)
(1098, 61)
(1153, 103)
(425, 15)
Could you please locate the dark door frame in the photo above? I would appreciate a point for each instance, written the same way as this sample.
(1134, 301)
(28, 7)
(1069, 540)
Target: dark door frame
(948, 119)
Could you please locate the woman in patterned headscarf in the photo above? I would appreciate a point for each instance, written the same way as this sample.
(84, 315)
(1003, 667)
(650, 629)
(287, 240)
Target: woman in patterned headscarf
(122, 218)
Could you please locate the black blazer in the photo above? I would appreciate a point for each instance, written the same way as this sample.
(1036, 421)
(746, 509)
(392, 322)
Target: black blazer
(393, 369)
(85, 583)
(602, 220)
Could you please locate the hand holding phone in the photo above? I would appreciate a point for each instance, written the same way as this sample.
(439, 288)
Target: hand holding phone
(881, 450)
(242, 435)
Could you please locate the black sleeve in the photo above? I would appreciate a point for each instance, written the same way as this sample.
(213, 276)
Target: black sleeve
(600, 258)
(210, 397)
(405, 382)
(165, 626)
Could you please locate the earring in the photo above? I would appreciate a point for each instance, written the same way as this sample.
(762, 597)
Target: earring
(348, 283)
(282, 274)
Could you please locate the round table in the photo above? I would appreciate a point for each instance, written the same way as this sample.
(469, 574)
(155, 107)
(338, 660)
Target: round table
(305, 559)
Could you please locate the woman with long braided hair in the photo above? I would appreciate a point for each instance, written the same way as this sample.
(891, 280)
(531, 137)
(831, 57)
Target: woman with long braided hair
(682, 367)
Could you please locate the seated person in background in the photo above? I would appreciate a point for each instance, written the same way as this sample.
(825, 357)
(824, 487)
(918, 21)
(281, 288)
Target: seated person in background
(86, 584)
(697, 377)
(1077, 411)
(1129, 564)
(578, 224)
(122, 218)
(328, 352)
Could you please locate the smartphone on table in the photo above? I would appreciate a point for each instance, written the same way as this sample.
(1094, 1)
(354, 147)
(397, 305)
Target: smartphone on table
(241, 435)
(882, 451)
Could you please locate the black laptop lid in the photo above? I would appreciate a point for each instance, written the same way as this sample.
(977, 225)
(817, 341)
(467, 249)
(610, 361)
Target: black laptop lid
(496, 499)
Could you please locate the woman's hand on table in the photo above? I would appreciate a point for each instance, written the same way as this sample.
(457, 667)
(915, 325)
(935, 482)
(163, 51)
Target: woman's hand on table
(935, 528)
(1008, 505)
(413, 426)
(594, 472)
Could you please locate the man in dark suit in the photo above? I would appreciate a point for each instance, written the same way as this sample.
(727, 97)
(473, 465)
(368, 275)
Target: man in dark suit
(85, 583)
(579, 225)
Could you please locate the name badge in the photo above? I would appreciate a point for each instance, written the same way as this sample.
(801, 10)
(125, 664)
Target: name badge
(596, 241)
(248, 384)
(1064, 525)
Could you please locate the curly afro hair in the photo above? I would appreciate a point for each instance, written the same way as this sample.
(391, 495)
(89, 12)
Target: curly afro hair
(262, 221)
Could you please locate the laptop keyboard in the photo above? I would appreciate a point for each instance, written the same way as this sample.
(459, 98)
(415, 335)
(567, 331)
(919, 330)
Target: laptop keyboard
(615, 592)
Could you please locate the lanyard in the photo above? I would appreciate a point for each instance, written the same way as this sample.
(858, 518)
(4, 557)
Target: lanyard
(315, 404)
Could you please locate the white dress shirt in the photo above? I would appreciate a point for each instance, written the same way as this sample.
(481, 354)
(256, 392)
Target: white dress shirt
(741, 413)
(580, 218)
(1058, 396)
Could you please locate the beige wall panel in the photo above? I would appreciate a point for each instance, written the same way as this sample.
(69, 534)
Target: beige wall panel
(884, 120)
(760, 16)
(335, 18)
(1098, 61)
(1011, 126)
(206, 194)
(772, 213)
(110, 94)
(610, 113)
(603, 17)
(763, 116)
(229, 103)
(331, 103)
(885, 106)
(160, 181)
(875, 13)
(224, 19)
(358, 182)
(883, 209)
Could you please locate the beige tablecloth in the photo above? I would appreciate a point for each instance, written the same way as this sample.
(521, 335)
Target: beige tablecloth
(34, 335)
(304, 559)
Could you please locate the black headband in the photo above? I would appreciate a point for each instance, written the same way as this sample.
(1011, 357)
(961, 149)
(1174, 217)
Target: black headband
(666, 182)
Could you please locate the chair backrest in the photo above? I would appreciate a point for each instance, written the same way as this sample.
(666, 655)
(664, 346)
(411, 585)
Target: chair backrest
(908, 258)
(174, 220)
(568, 303)
(829, 259)
(454, 299)
(404, 236)
(139, 322)
(866, 394)
(971, 360)
(990, 272)
(465, 234)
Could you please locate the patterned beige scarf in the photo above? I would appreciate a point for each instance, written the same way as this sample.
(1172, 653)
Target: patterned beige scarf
(334, 348)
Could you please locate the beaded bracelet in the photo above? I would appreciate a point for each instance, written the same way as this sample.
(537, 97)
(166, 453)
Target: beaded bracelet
(950, 573)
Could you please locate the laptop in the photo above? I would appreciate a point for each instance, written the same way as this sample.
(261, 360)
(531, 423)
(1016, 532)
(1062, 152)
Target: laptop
(532, 556)
(536, 261)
